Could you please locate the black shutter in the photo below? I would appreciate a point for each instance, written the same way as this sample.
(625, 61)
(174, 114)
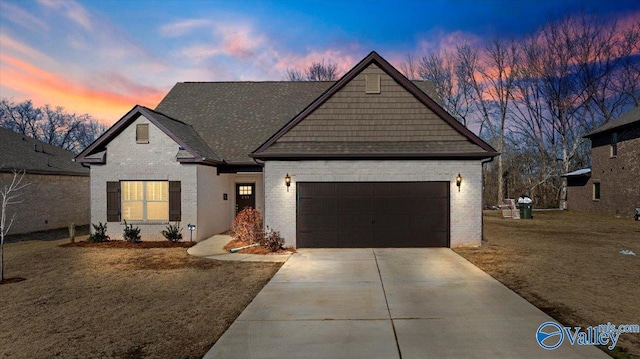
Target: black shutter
(174, 201)
(113, 201)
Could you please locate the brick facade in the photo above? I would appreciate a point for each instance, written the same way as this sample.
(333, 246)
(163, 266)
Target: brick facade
(465, 206)
(49, 202)
(619, 176)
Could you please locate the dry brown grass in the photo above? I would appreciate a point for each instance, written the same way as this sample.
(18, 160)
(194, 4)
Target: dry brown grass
(568, 264)
(120, 303)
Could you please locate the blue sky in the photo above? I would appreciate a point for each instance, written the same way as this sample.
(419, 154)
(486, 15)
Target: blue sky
(103, 57)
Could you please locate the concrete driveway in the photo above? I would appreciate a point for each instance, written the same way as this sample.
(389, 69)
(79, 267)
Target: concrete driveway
(387, 303)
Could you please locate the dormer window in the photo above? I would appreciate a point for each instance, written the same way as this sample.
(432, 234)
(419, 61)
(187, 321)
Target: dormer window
(142, 133)
(614, 144)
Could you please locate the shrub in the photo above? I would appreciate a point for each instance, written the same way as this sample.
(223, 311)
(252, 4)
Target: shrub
(131, 234)
(272, 240)
(247, 226)
(172, 233)
(99, 233)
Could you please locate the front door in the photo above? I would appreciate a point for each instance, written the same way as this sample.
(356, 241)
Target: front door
(245, 196)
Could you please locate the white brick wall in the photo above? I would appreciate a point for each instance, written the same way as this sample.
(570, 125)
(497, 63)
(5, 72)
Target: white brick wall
(465, 206)
(127, 160)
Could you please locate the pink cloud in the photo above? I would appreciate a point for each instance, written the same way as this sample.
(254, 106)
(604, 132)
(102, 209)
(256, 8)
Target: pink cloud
(183, 27)
(8, 43)
(43, 87)
(21, 17)
(72, 10)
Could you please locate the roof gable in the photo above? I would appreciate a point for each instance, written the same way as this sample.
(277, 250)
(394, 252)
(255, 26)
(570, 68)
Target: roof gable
(20, 152)
(400, 121)
(192, 147)
(626, 119)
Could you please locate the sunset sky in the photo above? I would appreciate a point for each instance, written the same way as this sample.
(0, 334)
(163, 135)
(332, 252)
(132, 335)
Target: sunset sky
(103, 57)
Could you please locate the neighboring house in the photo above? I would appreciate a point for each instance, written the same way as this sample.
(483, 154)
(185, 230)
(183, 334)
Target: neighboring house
(371, 160)
(58, 190)
(612, 184)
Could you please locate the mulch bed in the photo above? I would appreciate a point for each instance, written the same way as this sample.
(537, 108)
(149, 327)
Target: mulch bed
(125, 244)
(12, 280)
(235, 243)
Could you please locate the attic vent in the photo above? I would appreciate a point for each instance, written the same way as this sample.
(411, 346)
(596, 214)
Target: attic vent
(372, 83)
(142, 133)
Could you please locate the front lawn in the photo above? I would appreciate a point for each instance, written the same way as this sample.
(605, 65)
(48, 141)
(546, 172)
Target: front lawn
(569, 265)
(81, 302)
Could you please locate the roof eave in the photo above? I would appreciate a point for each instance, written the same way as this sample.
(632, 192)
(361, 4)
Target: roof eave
(201, 161)
(372, 156)
(598, 132)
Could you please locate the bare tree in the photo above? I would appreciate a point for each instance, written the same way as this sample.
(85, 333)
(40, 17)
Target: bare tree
(568, 84)
(449, 78)
(9, 194)
(50, 124)
(317, 71)
(492, 80)
(409, 68)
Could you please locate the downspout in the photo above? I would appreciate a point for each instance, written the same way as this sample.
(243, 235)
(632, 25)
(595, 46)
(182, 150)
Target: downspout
(264, 190)
(482, 163)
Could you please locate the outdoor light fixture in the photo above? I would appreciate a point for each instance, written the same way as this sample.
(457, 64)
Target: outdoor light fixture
(287, 181)
(458, 181)
(191, 228)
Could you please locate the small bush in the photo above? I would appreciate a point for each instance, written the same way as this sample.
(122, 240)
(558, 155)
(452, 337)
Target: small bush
(172, 233)
(131, 234)
(272, 240)
(247, 226)
(99, 233)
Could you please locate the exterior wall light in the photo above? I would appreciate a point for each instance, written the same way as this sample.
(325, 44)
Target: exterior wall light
(191, 228)
(458, 181)
(287, 181)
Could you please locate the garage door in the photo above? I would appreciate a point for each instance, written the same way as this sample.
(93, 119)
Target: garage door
(372, 214)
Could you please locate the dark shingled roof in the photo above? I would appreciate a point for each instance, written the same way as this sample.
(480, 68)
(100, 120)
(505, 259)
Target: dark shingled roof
(20, 152)
(234, 118)
(625, 119)
(187, 134)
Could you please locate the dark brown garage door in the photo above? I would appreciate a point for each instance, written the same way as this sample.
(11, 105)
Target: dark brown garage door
(372, 214)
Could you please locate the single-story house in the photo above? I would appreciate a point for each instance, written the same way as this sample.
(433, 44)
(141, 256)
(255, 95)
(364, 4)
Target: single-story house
(612, 185)
(370, 160)
(58, 190)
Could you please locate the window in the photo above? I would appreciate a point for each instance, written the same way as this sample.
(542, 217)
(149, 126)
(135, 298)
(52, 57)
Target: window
(614, 144)
(244, 190)
(596, 191)
(142, 133)
(145, 200)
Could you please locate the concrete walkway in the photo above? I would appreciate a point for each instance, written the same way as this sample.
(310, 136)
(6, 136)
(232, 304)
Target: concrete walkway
(213, 248)
(387, 303)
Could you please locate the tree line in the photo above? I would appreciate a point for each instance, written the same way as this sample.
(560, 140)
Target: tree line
(49, 124)
(534, 99)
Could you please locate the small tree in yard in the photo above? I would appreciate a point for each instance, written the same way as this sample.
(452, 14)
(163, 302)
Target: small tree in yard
(9, 194)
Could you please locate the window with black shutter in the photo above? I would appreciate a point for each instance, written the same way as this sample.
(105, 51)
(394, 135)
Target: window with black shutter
(113, 201)
(175, 209)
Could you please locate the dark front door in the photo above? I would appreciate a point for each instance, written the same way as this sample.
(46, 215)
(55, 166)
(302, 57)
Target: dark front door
(372, 214)
(245, 196)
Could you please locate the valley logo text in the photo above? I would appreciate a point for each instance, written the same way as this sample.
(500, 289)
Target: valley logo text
(550, 335)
